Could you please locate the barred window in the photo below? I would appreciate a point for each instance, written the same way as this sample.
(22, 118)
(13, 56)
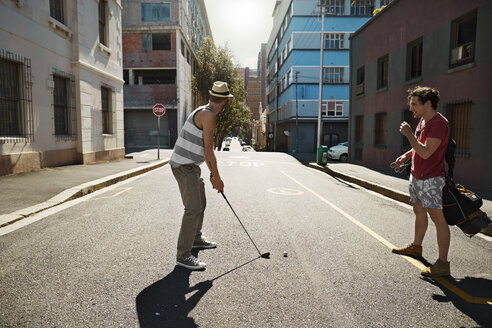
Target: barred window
(334, 41)
(334, 7)
(359, 129)
(56, 10)
(333, 75)
(15, 98)
(102, 22)
(459, 116)
(60, 102)
(381, 129)
(382, 77)
(362, 8)
(106, 110)
(414, 59)
(360, 81)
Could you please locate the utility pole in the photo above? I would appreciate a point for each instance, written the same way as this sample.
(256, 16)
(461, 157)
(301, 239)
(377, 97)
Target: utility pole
(321, 47)
(297, 118)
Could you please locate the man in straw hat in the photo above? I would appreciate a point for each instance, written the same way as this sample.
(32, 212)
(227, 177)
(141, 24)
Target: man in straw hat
(195, 145)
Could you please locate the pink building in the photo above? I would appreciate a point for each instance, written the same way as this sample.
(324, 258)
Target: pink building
(442, 44)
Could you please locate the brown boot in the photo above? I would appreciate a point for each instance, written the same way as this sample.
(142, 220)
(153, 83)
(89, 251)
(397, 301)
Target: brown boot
(438, 269)
(409, 250)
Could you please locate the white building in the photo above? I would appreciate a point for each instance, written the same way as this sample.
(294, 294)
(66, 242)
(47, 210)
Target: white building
(61, 83)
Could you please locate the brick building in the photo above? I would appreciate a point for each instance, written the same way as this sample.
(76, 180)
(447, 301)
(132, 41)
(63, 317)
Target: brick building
(160, 41)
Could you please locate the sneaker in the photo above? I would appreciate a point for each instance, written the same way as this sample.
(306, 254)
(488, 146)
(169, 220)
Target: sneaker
(191, 263)
(438, 269)
(203, 243)
(409, 250)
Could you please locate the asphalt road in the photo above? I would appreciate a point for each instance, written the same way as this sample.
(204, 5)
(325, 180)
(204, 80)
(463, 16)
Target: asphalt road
(108, 259)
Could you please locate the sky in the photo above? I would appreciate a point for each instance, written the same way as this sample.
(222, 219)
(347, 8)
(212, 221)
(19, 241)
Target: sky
(242, 26)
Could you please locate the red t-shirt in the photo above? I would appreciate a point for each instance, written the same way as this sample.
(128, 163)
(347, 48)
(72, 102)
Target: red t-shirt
(437, 127)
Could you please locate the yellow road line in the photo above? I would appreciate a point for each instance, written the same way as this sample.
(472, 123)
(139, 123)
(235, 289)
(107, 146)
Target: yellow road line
(468, 298)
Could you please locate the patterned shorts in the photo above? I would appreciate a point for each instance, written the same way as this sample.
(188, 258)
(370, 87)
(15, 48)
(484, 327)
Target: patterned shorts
(428, 191)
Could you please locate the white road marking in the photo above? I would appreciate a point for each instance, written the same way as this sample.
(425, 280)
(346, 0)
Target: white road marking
(285, 191)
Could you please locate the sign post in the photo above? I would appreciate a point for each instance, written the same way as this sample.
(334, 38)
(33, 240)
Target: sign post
(159, 110)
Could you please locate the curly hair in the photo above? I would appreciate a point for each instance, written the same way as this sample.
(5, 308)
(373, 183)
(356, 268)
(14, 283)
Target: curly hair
(424, 94)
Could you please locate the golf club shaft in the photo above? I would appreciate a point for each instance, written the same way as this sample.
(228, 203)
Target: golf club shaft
(242, 225)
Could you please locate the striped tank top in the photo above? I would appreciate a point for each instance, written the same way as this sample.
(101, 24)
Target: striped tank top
(189, 146)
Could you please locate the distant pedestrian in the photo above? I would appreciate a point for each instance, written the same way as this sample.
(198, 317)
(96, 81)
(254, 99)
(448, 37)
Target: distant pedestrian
(195, 145)
(427, 176)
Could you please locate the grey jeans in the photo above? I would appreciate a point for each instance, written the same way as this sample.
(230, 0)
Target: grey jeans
(192, 189)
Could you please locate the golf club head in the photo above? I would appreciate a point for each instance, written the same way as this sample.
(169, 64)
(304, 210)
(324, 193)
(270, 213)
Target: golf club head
(265, 255)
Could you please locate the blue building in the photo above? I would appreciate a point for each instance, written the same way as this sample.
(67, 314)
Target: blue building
(294, 71)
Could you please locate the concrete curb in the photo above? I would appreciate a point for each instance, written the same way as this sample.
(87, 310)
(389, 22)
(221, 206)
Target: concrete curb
(78, 191)
(383, 190)
(386, 191)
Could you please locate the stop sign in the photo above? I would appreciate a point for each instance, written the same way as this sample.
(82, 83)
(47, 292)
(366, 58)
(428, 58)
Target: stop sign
(159, 109)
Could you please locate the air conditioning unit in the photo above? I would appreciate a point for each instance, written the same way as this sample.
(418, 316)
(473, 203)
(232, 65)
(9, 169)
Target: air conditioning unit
(461, 53)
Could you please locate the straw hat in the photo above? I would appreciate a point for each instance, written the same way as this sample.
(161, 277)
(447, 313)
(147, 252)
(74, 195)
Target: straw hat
(221, 90)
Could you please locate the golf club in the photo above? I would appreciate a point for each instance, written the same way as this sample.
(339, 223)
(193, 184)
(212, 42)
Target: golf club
(264, 255)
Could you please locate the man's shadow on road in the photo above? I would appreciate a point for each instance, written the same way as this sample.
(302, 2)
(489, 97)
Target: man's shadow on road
(480, 290)
(164, 303)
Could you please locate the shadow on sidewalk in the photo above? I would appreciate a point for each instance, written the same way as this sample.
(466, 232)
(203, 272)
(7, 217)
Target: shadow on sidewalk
(164, 303)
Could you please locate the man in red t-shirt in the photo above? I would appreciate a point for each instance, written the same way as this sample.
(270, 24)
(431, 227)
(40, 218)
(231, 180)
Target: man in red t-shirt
(427, 177)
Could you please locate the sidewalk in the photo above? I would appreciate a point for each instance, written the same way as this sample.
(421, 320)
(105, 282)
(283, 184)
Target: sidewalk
(25, 194)
(395, 187)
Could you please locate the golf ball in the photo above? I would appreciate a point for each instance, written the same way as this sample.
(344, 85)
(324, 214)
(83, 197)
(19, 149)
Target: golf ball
(285, 254)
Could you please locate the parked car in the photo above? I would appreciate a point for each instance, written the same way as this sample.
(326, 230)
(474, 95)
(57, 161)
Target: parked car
(247, 148)
(339, 152)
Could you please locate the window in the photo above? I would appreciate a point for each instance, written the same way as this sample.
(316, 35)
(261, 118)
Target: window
(56, 10)
(157, 41)
(459, 116)
(381, 129)
(463, 36)
(102, 22)
(126, 76)
(15, 98)
(152, 12)
(332, 108)
(334, 7)
(359, 129)
(382, 72)
(413, 121)
(106, 110)
(333, 75)
(60, 104)
(161, 41)
(155, 76)
(334, 41)
(361, 7)
(414, 59)
(182, 48)
(360, 81)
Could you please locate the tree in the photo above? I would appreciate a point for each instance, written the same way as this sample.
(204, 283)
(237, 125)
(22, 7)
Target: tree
(216, 65)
